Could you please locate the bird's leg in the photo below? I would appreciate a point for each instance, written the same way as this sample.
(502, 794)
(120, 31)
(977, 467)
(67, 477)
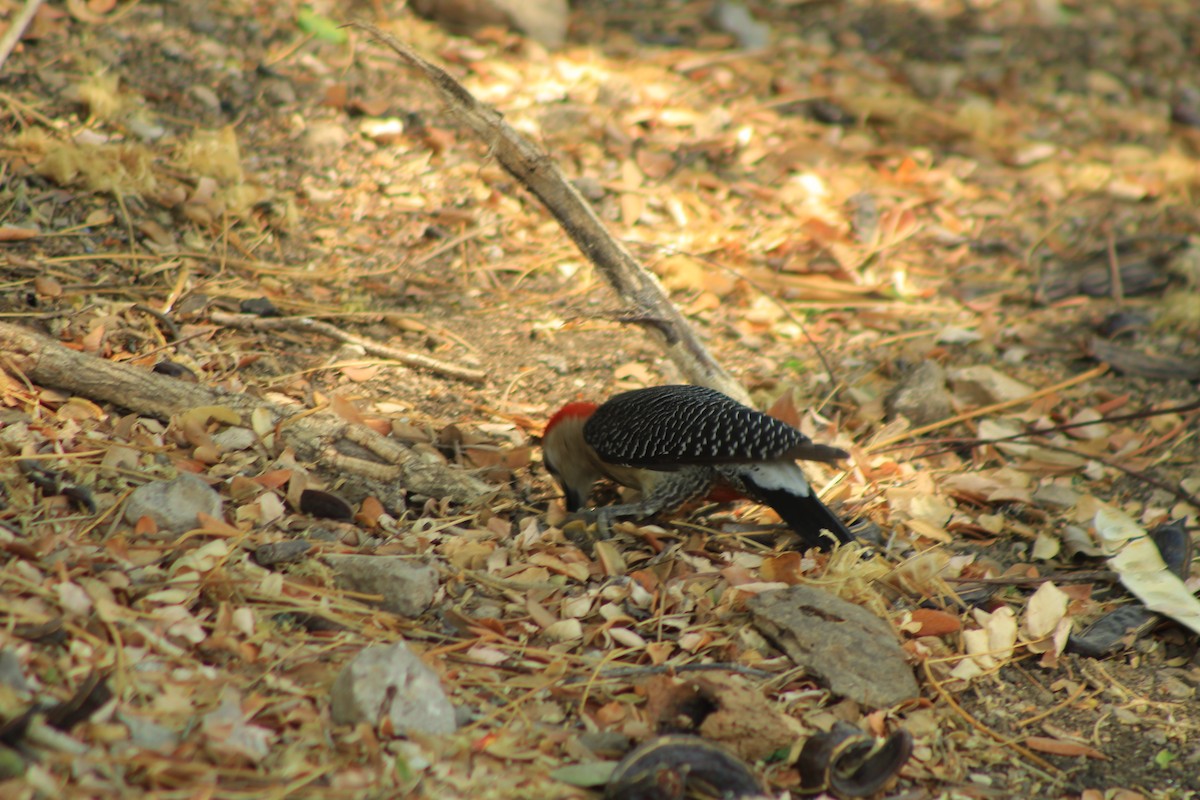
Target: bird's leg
(602, 518)
(667, 492)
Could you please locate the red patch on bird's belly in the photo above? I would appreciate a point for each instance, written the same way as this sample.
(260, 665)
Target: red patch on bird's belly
(723, 493)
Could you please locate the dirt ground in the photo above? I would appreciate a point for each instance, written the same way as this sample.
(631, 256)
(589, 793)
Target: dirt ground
(887, 185)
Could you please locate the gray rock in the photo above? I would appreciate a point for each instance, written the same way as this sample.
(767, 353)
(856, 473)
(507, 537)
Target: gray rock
(272, 553)
(407, 586)
(853, 651)
(544, 21)
(174, 504)
(323, 136)
(11, 674)
(736, 19)
(391, 680)
(279, 92)
(147, 734)
(205, 97)
(921, 396)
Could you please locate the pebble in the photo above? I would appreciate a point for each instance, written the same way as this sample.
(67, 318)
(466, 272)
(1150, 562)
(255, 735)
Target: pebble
(391, 680)
(175, 504)
(407, 586)
(921, 396)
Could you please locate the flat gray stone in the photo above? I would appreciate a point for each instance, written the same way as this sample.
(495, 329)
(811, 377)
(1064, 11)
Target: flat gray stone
(407, 586)
(850, 649)
(921, 397)
(174, 504)
(146, 734)
(544, 21)
(391, 680)
(11, 673)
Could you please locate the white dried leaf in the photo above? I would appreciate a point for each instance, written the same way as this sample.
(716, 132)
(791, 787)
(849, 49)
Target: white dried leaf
(565, 630)
(627, 638)
(1046, 547)
(1045, 609)
(1139, 565)
(73, 600)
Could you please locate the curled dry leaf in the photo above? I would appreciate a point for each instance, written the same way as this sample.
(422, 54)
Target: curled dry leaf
(1045, 625)
(990, 645)
(1138, 562)
(1045, 744)
(932, 622)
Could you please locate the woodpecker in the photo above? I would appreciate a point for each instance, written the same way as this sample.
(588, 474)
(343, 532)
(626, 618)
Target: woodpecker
(679, 443)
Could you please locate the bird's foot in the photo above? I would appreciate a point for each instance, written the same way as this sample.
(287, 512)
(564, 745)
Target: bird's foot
(598, 518)
(580, 534)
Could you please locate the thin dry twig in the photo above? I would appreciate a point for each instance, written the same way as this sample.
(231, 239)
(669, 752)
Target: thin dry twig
(409, 359)
(958, 443)
(1024, 752)
(1114, 268)
(1177, 491)
(671, 669)
(1080, 576)
(985, 410)
(17, 29)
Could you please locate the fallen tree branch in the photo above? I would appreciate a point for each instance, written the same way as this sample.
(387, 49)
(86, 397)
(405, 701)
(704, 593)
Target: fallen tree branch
(316, 438)
(648, 303)
(16, 29)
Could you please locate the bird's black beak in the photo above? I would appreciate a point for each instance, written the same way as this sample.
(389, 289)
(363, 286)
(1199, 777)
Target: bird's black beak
(573, 500)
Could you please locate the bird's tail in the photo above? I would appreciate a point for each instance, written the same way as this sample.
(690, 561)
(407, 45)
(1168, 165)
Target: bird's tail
(807, 516)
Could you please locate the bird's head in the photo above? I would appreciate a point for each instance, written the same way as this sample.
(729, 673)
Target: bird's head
(567, 454)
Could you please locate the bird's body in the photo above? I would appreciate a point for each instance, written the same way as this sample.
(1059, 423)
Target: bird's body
(679, 443)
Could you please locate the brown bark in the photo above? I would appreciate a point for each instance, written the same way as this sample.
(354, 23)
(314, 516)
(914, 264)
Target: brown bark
(387, 468)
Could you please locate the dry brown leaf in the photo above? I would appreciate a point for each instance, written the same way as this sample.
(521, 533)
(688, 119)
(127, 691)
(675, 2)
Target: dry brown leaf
(1044, 744)
(931, 622)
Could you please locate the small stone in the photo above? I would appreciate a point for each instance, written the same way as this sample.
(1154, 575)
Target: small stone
(407, 586)
(146, 128)
(590, 188)
(921, 396)
(205, 97)
(272, 553)
(11, 674)
(389, 130)
(1176, 689)
(279, 93)
(325, 136)
(391, 680)
(544, 21)
(147, 734)
(736, 19)
(175, 504)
